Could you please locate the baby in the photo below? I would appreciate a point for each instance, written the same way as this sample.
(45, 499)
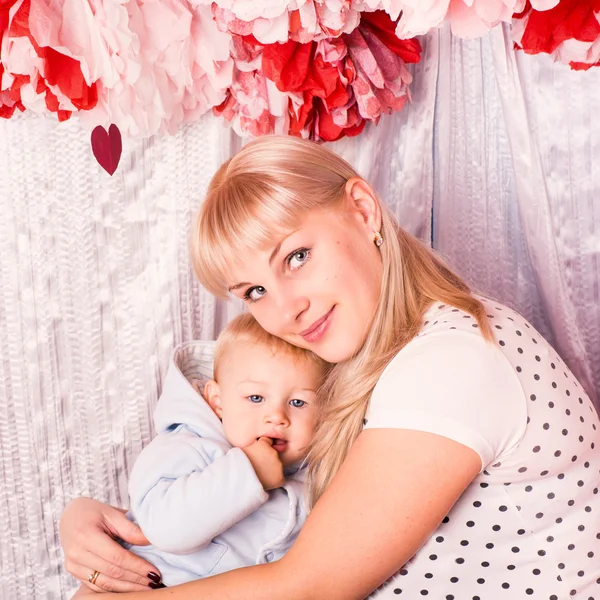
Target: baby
(221, 485)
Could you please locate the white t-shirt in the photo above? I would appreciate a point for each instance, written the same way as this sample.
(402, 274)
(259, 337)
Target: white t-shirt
(529, 525)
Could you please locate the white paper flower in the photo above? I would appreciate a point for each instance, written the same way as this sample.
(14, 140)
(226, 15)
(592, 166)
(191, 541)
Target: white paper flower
(468, 18)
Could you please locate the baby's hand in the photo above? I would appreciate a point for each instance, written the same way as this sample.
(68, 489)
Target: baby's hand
(266, 463)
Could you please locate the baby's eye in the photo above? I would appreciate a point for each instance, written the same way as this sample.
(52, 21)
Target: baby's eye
(297, 403)
(298, 258)
(255, 399)
(254, 293)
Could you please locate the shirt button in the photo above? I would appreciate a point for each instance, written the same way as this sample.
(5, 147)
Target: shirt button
(269, 556)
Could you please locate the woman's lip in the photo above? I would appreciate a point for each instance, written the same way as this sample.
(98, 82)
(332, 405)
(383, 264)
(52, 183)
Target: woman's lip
(317, 330)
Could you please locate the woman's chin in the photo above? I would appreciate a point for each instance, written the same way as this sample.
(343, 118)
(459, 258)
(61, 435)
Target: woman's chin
(337, 351)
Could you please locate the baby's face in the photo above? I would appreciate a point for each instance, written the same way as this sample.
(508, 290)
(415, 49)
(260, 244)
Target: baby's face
(268, 395)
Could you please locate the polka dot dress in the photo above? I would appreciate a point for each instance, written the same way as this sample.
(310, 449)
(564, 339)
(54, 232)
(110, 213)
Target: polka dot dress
(529, 525)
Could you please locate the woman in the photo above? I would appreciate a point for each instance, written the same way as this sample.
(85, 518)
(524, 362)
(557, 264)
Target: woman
(456, 453)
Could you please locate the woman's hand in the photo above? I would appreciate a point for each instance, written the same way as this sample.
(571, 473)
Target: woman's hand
(84, 592)
(87, 532)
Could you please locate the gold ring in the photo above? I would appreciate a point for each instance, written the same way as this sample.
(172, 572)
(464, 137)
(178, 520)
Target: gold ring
(93, 576)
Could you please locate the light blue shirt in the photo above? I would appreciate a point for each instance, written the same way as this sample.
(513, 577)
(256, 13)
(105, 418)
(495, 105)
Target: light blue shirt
(198, 499)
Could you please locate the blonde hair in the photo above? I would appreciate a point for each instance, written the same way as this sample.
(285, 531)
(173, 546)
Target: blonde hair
(244, 329)
(266, 189)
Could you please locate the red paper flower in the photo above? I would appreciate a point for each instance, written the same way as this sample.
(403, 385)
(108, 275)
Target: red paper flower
(336, 85)
(570, 31)
(10, 98)
(48, 74)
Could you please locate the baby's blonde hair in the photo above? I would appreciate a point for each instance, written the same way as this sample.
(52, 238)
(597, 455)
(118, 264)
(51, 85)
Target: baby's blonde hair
(262, 193)
(244, 329)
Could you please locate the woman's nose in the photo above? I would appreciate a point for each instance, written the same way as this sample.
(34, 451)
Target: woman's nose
(282, 313)
(292, 305)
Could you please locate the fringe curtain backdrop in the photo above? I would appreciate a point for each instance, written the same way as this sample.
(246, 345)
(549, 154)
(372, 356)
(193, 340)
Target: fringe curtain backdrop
(493, 163)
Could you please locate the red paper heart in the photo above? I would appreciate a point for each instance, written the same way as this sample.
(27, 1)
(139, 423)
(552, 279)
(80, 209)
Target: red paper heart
(107, 147)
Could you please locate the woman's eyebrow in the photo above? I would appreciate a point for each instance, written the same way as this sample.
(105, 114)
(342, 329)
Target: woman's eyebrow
(237, 286)
(278, 247)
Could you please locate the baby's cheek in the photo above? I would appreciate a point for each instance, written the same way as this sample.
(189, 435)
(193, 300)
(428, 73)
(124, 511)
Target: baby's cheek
(237, 433)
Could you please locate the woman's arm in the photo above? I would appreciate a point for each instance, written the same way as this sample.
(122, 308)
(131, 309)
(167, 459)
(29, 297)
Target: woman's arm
(390, 495)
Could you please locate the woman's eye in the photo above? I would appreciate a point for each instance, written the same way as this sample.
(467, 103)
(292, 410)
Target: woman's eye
(297, 403)
(298, 258)
(255, 399)
(254, 293)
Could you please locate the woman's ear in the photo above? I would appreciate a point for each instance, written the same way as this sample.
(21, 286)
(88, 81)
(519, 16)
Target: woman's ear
(362, 202)
(212, 395)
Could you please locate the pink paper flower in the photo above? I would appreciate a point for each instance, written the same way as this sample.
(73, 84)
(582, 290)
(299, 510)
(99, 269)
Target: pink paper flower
(253, 105)
(165, 61)
(146, 66)
(273, 21)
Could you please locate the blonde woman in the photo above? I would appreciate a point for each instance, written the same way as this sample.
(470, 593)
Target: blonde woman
(455, 457)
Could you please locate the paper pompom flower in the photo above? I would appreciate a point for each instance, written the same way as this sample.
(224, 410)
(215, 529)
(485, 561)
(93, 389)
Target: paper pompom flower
(468, 18)
(570, 32)
(336, 85)
(316, 68)
(36, 74)
(253, 105)
(271, 21)
(162, 63)
(146, 66)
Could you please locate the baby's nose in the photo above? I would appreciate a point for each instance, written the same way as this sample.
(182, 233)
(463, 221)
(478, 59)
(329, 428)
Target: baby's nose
(276, 417)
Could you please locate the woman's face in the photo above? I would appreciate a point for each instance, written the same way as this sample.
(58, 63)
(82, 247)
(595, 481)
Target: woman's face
(318, 286)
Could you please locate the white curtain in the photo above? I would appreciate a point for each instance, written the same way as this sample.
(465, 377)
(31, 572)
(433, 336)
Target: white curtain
(517, 188)
(492, 163)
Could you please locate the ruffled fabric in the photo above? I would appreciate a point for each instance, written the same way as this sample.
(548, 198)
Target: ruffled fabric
(570, 32)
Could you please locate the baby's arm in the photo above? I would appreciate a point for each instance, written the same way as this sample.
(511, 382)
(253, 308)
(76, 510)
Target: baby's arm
(182, 498)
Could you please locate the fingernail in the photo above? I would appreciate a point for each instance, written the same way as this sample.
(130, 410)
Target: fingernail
(154, 577)
(157, 586)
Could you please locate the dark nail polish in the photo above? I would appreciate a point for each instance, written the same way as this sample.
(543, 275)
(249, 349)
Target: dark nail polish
(157, 586)
(154, 577)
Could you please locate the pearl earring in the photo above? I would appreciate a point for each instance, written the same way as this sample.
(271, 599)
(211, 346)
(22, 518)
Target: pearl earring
(378, 239)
